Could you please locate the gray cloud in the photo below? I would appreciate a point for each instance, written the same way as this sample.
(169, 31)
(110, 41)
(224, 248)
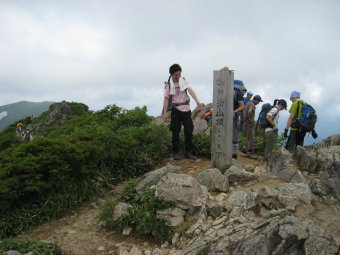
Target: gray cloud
(104, 52)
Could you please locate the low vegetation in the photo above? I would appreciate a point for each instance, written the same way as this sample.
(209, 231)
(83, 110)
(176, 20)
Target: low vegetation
(26, 246)
(142, 213)
(74, 162)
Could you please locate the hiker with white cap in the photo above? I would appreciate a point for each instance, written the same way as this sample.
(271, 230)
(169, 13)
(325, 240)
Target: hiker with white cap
(296, 136)
(249, 123)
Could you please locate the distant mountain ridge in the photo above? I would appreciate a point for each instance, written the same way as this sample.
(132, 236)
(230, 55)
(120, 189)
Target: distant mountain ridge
(11, 113)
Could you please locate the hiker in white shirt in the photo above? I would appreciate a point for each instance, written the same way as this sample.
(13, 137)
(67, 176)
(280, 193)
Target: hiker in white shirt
(272, 131)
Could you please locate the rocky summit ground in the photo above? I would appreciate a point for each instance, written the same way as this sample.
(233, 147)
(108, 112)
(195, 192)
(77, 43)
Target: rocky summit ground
(78, 231)
(279, 210)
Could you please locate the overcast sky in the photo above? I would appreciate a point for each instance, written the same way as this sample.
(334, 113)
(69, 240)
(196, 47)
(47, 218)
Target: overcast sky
(103, 52)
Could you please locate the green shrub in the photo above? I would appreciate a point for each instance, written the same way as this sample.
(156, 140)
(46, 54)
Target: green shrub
(134, 151)
(33, 169)
(133, 118)
(142, 213)
(25, 246)
(202, 144)
(38, 180)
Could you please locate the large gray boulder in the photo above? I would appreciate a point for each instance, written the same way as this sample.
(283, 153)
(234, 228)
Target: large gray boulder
(237, 173)
(281, 163)
(183, 189)
(214, 180)
(153, 177)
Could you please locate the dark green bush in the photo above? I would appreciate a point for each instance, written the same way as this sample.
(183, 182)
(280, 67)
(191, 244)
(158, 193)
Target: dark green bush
(33, 169)
(142, 214)
(134, 151)
(25, 246)
(202, 144)
(133, 118)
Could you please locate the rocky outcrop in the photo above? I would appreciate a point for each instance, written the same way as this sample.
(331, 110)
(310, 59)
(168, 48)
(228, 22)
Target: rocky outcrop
(307, 161)
(277, 234)
(56, 117)
(330, 141)
(281, 163)
(330, 177)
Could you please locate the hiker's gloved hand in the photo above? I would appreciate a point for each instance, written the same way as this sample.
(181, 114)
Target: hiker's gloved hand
(275, 128)
(285, 134)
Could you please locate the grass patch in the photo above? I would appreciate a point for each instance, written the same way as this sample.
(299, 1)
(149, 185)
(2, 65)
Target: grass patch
(25, 246)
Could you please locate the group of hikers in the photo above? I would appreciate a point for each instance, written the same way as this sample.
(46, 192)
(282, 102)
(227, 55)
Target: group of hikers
(301, 120)
(25, 135)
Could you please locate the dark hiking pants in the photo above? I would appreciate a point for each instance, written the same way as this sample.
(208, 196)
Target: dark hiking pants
(236, 133)
(177, 119)
(295, 138)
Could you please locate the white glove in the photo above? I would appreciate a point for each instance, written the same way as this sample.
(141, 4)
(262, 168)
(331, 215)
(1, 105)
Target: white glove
(275, 129)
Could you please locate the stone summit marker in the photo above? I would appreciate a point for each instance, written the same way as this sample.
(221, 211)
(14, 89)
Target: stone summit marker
(222, 119)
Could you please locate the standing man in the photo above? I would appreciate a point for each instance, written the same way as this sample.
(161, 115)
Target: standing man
(238, 108)
(248, 97)
(249, 122)
(273, 120)
(176, 96)
(296, 136)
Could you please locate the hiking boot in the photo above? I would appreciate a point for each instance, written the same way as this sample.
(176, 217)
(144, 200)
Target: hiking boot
(176, 156)
(189, 155)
